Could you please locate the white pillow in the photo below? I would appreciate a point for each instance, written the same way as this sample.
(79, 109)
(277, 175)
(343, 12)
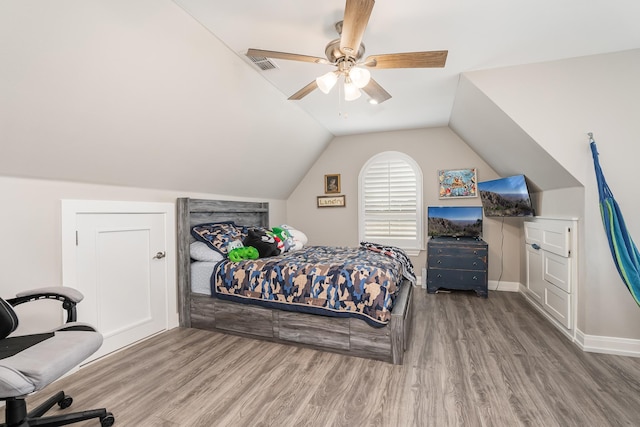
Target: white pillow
(299, 238)
(200, 251)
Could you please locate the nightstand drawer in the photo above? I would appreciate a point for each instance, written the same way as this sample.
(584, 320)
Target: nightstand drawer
(473, 262)
(456, 279)
(459, 251)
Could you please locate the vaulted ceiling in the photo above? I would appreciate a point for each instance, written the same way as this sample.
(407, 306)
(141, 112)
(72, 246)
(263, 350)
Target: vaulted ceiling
(478, 35)
(159, 93)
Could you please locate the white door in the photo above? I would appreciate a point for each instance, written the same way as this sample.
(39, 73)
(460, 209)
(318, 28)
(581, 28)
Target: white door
(119, 263)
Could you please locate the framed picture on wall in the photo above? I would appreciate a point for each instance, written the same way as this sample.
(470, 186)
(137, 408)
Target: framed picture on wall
(332, 201)
(456, 183)
(332, 183)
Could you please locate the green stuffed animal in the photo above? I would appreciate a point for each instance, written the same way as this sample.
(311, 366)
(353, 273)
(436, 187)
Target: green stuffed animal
(285, 237)
(242, 253)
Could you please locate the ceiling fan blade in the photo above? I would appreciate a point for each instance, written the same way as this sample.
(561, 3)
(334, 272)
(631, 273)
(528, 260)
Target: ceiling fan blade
(256, 53)
(432, 59)
(304, 91)
(356, 17)
(376, 92)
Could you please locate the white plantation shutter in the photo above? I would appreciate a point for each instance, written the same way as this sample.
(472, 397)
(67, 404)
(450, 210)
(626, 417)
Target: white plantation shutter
(390, 201)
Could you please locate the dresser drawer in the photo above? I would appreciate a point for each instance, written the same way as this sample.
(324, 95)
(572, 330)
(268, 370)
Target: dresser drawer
(468, 262)
(557, 270)
(456, 279)
(461, 251)
(551, 236)
(558, 303)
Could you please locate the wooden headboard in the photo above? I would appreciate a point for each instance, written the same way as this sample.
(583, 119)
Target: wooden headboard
(191, 212)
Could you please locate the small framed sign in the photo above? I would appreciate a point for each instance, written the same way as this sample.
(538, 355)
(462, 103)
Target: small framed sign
(331, 201)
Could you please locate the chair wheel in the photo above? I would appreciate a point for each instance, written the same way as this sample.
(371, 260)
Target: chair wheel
(108, 420)
(66, 402)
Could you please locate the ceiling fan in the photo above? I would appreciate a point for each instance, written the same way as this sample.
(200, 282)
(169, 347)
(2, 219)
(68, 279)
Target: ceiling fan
(346, 54)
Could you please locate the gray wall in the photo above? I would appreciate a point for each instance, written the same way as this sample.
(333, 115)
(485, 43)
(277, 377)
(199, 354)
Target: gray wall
(556, 104)
(433, 149)
(30, 226)
(138, 93)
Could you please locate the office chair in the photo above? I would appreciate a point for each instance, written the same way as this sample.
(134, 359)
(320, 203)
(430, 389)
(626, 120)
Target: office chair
(28, 363)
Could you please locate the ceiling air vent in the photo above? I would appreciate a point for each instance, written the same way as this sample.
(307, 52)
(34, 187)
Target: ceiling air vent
(262, 62)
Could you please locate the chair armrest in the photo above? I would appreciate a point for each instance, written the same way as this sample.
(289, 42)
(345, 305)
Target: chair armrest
(69, 297)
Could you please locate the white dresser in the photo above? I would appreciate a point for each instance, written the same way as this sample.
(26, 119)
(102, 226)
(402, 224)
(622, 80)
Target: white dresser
(551, 260)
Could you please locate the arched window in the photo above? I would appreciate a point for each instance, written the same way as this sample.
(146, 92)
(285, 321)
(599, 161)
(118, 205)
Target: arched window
(390, 201)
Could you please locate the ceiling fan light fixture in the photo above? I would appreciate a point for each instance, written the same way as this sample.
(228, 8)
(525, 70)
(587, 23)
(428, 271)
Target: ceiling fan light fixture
(327, 81)
(346, 53)
(351, 91)
(360, 76)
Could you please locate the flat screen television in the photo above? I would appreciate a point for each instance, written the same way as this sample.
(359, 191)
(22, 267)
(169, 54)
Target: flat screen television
(506, 197)
(454, 221)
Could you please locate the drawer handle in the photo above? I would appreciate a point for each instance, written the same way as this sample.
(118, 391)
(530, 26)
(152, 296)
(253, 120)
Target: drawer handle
(439, 262)
(439, 275)
(475, 252)
(475, 263)
(475, 277)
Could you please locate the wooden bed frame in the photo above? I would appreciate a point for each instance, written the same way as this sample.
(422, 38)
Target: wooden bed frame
(342, 335)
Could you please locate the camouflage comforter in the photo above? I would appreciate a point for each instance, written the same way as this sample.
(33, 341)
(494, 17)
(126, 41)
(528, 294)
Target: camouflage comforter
(334, 281)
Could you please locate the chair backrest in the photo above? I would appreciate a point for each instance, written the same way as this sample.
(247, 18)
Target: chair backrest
(8, 319)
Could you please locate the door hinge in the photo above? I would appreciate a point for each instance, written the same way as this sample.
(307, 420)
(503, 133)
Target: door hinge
(76, 237)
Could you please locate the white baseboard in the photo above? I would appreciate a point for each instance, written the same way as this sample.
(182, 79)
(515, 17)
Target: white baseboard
(494, 285)
(593, 343)
(588, 343)
(608, 345)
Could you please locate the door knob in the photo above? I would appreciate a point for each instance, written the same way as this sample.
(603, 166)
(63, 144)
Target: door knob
(160, 255)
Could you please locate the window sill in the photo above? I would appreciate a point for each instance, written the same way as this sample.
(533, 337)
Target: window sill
(412, 252)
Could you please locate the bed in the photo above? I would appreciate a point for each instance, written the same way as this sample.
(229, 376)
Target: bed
(356, 336)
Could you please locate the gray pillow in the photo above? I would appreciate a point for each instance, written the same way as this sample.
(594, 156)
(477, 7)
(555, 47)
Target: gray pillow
(200, 251)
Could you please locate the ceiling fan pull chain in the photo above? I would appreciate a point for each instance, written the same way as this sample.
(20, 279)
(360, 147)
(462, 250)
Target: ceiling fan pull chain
(341, 101)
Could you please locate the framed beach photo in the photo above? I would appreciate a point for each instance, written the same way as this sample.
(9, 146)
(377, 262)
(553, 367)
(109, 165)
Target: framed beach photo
(456, 183)
(332, 183)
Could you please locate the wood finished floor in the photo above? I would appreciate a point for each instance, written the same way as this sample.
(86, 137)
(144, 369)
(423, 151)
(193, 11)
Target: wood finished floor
(471, 362)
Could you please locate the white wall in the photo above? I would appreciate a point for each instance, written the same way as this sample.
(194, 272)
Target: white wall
(138, 93)
(30, 226)
(557, 104)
